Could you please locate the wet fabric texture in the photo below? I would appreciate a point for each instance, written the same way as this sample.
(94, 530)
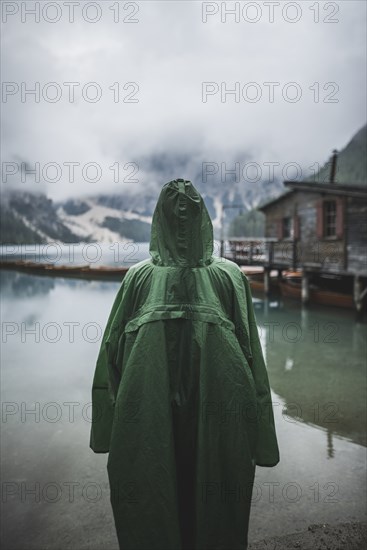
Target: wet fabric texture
(181, 397)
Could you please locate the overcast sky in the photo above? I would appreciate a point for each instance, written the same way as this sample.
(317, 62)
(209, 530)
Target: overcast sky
(170, 50)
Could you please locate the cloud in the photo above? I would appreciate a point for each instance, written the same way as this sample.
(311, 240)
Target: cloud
(169, 53)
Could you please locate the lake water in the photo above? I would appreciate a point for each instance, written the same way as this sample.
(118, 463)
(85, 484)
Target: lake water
(55, 489)
(94, 254)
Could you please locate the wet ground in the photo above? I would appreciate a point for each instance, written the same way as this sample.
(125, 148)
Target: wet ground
(343, 536)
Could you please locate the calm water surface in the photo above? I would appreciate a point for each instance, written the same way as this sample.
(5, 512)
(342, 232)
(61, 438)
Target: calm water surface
(55, 490)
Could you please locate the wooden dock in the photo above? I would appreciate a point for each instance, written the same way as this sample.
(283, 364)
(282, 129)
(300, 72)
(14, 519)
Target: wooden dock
(272, 264)
(76, 272)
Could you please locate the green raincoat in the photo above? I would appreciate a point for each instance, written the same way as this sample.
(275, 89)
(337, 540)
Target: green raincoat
(181, 397)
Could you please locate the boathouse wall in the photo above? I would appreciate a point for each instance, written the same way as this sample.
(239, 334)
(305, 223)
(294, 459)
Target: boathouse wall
(304, 240)
(356, 229)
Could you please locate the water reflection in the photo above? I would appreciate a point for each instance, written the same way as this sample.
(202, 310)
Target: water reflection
(316, 358)
(20, 286)
(316, 361)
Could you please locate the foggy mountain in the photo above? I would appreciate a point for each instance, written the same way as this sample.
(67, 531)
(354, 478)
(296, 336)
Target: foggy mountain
(28, 218)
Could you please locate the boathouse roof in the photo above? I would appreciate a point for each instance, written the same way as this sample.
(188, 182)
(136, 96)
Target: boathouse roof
(350, 190)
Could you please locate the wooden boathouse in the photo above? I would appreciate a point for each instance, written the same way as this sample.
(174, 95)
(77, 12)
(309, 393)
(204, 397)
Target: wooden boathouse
(319, 229)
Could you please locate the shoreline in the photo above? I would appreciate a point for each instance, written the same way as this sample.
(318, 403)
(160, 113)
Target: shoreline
(320, 536)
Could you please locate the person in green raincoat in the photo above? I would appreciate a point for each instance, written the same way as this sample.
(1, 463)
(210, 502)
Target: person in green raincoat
(181, 398)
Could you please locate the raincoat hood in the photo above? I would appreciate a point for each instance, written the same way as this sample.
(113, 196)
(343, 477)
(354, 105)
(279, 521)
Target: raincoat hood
(182, 231)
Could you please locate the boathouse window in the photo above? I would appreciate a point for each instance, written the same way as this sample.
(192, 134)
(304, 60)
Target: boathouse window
(287, 228)
(329, 216)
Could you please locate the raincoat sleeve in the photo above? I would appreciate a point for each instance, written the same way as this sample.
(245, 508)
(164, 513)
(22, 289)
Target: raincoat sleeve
(267, 451)
(105, 380)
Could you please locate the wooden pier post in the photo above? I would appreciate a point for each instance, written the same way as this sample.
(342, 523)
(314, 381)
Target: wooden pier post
(305, 288)
(267, 281)
(251, 253)
(358, 294)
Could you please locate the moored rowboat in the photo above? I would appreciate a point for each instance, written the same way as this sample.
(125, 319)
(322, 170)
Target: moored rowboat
(76, 271)
(291, 287)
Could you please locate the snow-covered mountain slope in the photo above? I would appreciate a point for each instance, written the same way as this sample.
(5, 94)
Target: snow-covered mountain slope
(94, 224)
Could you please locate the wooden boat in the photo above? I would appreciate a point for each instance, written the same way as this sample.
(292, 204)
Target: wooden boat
(75, 271)
(256, 279)
(291, 287)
